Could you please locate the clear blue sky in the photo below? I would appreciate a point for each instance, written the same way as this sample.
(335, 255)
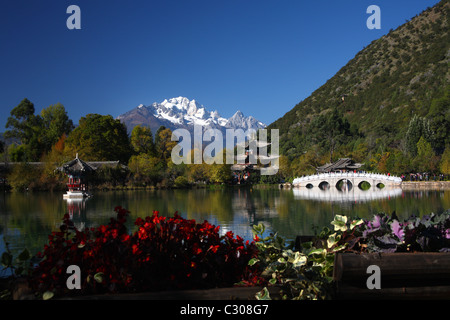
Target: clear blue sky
(259, 56)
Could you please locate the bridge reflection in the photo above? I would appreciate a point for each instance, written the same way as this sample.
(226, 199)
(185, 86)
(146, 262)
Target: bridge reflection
(352, 179)
(352, 195)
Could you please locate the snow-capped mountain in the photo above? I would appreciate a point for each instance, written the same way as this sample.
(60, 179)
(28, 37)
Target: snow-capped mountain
(184, 113)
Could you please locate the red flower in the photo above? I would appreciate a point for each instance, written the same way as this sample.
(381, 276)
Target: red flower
(139, 221)
(196, 249)
(214, 248)
(162, 251)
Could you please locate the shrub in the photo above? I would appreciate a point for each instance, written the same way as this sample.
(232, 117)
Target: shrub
(164, 253)
(307, 272)
(181, 182)
(24, 177)
(384, 233)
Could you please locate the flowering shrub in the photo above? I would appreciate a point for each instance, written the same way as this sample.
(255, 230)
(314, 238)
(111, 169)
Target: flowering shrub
(307, 272)
(164, 253)
(388, 234)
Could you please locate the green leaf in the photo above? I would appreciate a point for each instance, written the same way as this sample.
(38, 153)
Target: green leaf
(325, 232)
(47, 295)
(281, 260)
(263, 295)
(299, 260)
(259, 229)
(99, 277)
(356, 223)
(317, 251)
(339, 223)
(24, 255)
(6, 259)
(331, 241)
(342, 247)
(253, 261)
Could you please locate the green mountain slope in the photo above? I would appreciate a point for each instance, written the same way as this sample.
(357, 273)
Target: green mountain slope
(399, 76)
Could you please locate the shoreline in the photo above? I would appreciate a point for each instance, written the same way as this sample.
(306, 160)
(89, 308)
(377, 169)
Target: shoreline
(406, 185)
(425, 185)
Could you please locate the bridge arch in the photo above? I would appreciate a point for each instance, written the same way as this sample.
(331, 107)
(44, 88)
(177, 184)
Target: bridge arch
(364, 185)
(380, 185)
(344, 184)
(324, 185)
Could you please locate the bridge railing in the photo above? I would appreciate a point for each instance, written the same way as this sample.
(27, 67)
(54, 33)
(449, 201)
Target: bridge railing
(365, 175)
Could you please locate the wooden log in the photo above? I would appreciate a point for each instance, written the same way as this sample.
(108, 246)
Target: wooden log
(402, 275)
(345, 291)
(233, 293)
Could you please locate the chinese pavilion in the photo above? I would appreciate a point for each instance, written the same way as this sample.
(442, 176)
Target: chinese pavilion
(342, 165)
(78, 173)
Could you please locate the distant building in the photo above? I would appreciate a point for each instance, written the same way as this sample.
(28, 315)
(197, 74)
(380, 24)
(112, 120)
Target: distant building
(342, 165)
(79, 172)
(250, 162)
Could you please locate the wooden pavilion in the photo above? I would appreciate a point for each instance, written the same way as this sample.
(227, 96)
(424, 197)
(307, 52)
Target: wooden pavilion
(78, 173)
(342, 165)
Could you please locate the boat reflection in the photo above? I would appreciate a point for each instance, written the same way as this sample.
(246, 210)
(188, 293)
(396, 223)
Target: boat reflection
(352, 195)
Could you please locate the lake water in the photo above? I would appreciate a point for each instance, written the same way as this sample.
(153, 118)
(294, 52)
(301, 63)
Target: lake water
(26, 219)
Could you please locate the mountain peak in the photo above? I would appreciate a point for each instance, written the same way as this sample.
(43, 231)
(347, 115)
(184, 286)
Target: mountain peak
(238, 114)
(180, 112)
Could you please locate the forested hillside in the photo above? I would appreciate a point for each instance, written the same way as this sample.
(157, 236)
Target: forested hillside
(377, 108)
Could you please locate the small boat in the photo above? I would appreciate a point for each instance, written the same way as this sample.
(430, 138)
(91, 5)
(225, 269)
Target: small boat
(76, 194)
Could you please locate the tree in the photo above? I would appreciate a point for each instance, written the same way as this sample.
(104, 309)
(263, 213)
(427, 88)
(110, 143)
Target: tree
(99, 138)
(307, 163)
(142, 140)
(146, 169)
(285, 170)
(426, 160)
(331, 130)
(157, 136)
(24, 177)
(440, 121)
(418, 127)
(57, 154)
(220, 172)
(164, 143)
(445, 161)
(24, 125)
(37, 133)
(21, 122)
(198, 172)
(56, 123)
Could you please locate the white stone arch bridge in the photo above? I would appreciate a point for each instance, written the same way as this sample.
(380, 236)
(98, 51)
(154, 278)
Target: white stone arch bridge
(347, 180)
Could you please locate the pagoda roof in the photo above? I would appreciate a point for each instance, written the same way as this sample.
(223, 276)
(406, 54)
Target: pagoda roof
(76, 166)
(341, 164)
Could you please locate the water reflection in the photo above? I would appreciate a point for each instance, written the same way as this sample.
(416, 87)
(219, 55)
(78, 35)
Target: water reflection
(352, 195)
(76, 208)
(26, 220)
